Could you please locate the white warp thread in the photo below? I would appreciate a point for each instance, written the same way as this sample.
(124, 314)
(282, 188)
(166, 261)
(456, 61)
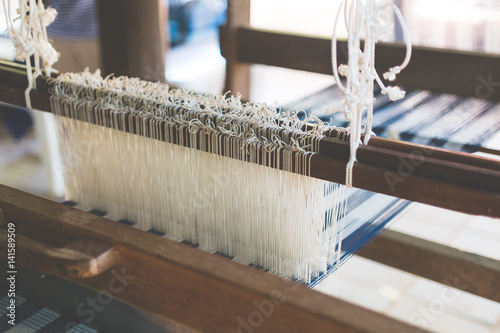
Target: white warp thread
(283, 221)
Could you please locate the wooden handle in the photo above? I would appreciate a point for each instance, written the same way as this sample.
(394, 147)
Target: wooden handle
(82, 258)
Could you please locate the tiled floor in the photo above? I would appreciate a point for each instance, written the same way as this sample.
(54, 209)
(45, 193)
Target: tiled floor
(395, 293)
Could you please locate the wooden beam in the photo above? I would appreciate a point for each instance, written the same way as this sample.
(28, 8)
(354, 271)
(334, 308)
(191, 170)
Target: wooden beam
(444, 71)
(206, 292)
(13, 83)
(299, 52)
(466, 271)
(409, 186)
(132, 38)
(237, 73)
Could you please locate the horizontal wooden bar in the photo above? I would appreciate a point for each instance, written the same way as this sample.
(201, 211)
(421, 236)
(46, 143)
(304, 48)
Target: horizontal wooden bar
(206, 292)
(444, 71)
(13, 83)
(440, 153)
(409, 186)
(465, 183)
(475, 172)
(458, 269)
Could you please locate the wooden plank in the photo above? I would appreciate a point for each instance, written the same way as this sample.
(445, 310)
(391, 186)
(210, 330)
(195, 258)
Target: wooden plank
(444, 71)
(80, 259)
(299, 52)
(409, 186)
(423, 162)
(440, 153)
(15, 96)
(195, 288)
(13, 83)
(237, 73)
(458, 269)
(132, 38)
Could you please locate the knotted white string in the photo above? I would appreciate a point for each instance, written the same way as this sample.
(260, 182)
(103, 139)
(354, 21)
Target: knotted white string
(31, 38)
(364, 19)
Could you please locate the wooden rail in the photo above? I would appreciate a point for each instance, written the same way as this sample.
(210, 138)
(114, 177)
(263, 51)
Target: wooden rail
(469, 272)
(444, 71)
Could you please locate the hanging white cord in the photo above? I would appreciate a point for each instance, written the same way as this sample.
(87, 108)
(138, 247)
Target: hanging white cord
(363, 19)
(31, 39)
(6, 10)
(391, 74)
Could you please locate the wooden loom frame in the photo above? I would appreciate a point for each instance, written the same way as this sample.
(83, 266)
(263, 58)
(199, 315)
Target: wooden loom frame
(209, 293)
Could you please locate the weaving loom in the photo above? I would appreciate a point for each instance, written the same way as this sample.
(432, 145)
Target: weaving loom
(192, 277)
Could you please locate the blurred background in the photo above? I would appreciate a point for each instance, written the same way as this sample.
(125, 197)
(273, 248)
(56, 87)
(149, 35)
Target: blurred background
(193, 61)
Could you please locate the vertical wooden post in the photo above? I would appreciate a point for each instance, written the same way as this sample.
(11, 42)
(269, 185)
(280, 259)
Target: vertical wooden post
(237, 73)
(132, 38)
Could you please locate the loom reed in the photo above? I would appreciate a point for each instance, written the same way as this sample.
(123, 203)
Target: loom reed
(444, 178)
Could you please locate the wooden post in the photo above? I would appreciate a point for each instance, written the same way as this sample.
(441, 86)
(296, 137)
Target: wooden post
(237, 73)
(132, 38)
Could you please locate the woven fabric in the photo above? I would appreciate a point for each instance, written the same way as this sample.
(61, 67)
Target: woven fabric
(440, 120)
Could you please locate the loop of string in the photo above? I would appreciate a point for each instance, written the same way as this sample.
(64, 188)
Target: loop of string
(363, 19)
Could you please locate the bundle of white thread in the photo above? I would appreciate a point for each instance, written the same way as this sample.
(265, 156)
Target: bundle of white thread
(30, 39)
(364, 20)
